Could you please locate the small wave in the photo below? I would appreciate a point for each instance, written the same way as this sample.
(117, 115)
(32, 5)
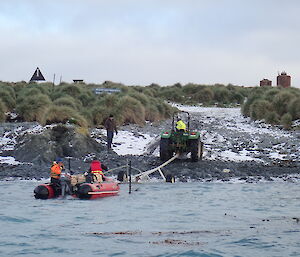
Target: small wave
(14, 219)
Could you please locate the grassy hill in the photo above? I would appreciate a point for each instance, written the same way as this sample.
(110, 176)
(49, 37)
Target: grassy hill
(77, 103)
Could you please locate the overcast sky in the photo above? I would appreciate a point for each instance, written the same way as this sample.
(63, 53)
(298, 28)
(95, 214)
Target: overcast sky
(138, 42)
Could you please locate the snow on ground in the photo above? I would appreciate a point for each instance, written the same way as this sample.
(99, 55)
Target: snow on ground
(9, 132)
(227, 136)
(125, 142)
(9, 160)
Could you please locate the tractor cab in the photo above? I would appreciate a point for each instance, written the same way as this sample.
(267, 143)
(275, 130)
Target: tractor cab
(180, 139)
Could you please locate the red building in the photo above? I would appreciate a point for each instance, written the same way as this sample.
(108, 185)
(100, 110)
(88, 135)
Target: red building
(283, 80)
(265, 83)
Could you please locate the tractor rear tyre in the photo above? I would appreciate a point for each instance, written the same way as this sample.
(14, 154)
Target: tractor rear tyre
(122, 176)
(196, 150)
(165, 151)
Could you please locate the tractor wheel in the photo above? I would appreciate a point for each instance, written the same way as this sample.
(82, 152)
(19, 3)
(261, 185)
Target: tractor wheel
(122, 176)
(165, 152)
(196, 152)
(170, 178)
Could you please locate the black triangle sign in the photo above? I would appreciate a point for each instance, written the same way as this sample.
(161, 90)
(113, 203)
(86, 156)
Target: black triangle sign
(37, 75)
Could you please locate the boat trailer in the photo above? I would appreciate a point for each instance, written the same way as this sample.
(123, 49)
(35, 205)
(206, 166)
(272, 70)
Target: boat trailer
(142, 176)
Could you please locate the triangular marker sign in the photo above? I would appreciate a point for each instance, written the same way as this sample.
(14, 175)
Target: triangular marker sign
(37, 75)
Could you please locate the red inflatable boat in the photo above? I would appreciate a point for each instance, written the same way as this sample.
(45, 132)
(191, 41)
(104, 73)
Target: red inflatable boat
(97, 190)
(82, 191)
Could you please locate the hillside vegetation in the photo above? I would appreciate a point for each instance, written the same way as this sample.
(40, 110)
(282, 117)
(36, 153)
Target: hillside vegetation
(78, 104)
(277, 106)
(206, 95)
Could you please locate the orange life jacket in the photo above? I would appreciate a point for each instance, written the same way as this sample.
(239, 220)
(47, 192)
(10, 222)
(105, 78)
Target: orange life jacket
(55, 171)
(96, 167)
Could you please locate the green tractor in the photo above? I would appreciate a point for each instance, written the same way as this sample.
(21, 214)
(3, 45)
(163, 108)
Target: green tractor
(174, 141)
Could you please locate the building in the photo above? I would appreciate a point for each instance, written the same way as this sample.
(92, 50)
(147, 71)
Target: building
(265, 83)
(37, 76)
(283, 80)
(78, 81)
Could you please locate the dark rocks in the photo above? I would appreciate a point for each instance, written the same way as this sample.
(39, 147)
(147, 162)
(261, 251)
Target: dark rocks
(59, 141)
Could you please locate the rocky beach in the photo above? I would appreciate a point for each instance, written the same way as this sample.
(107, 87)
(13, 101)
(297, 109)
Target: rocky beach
(235, 148)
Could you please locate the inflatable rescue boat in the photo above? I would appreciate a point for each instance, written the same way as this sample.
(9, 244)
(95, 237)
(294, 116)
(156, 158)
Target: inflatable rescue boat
(78, 188)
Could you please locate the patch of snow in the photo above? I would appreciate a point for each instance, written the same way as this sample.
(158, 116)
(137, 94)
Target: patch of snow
(10, 134)
(125, 142)
(9, 160)
(128, 143)
(228, 135)
(228, 155)
(276, 155)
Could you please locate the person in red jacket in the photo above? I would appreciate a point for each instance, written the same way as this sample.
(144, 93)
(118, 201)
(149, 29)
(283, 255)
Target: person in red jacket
(95, 173)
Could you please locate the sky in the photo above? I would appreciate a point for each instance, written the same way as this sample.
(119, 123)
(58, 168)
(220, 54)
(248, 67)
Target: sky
(139, 42)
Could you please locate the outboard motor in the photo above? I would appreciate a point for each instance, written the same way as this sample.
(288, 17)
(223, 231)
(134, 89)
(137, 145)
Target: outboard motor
(83, 191)
(44, 191)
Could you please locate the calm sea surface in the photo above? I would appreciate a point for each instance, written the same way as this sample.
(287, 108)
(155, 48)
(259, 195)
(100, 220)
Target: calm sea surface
(158, 219)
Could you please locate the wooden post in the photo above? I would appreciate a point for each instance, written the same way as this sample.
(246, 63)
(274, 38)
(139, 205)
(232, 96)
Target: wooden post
(129, 174)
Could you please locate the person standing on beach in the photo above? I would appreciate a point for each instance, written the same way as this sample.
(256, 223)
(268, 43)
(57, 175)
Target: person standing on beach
(110, 126)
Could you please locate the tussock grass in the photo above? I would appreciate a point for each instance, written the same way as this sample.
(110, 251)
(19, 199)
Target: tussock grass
(281, 101)
(286, 120)
(259, 108)
(152, 113)
(294, 108)
(63, 114)
(274, 105)
(8, 98)
(72, 90)
(100, 114)
(135, 104)
(68, 101)
(132, 111)
(2, 111)
(33, 107)
(272, 118)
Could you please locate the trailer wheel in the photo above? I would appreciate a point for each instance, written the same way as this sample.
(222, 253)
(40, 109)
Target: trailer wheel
(201, 150)
(170, 178)
(122, 176)
(196, 152)
(165, 152)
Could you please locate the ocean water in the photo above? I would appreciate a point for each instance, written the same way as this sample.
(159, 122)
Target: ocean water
(157, 219)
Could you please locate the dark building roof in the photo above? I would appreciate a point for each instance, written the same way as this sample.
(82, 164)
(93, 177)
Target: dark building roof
(78, 80)
(37, 76)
